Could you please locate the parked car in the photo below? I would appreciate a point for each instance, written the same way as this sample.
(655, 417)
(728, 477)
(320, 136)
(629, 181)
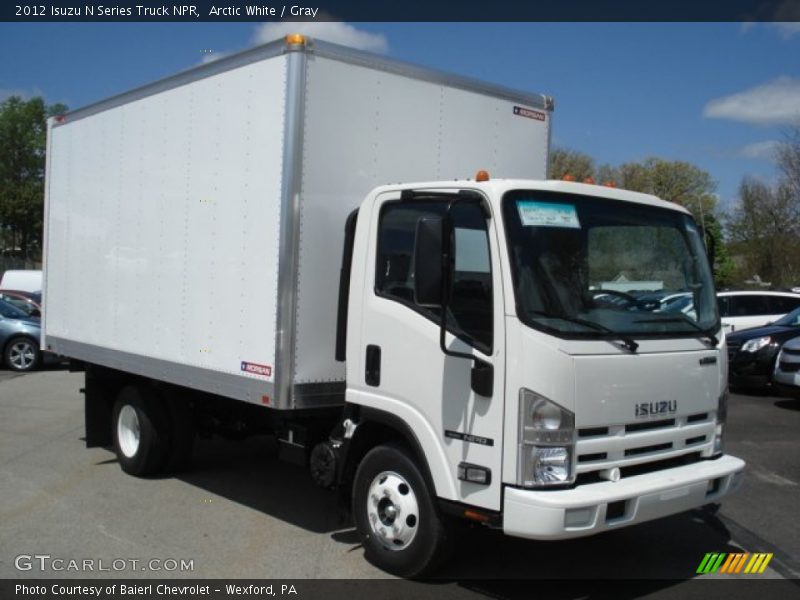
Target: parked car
(744, 309)
(678, 303)
(29, 303)
(787, 369)
(752, 352)
(19, 338)
(27, 280)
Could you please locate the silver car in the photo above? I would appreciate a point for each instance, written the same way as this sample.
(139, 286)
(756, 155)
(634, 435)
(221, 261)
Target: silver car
(787, 368)
(19, 338)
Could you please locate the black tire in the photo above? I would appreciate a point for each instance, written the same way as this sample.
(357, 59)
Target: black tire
(151, 451)
(22, 354)
(430, 543)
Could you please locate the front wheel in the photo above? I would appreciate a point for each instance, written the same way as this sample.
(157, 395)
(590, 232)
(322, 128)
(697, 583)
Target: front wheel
(395, 514)
(22, 354)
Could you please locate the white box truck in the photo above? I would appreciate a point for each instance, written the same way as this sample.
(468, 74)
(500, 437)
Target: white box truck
(228, 252)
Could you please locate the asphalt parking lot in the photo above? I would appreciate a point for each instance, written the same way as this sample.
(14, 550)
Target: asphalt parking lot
(240, 513)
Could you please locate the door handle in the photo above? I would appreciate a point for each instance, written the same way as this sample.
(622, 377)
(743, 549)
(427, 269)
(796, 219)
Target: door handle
(372, 375)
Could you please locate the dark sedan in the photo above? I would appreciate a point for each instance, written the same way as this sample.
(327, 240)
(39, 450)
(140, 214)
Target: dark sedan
(752, 352)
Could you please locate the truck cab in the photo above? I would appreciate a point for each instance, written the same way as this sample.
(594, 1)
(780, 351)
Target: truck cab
(535, 396)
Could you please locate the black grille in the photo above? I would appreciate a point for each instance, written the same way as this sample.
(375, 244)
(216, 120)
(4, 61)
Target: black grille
(584, 458)
(697, 417)
(696, 440)
(791, 351)
(592, 431)
(789, 367)
(648, 467)
(648, 449)
(651, 425)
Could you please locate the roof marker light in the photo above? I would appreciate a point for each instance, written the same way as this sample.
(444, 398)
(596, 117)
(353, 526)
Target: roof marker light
(568, 177)
(296, 39)
(482, 176)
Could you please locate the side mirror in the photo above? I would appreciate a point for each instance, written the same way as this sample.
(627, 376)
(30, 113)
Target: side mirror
(428, 249)
(482, 378)
(431, 289)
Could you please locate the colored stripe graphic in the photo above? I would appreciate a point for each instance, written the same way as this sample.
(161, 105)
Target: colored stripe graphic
(758, 563)
(734, 562)
(711, 562)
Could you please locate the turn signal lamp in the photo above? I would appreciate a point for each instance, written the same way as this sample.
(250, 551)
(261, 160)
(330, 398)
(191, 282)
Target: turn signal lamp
(482, 176)
(296, 39)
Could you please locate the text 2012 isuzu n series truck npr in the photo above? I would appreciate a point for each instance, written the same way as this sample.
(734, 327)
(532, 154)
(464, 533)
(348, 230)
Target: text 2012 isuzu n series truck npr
(226, 252)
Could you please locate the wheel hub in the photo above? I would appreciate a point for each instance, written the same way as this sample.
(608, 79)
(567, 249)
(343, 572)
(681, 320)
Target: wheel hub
(128, 431)
(22, 354)
(393, 510)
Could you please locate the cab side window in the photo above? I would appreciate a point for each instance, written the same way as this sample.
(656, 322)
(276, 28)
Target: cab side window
(469, 314)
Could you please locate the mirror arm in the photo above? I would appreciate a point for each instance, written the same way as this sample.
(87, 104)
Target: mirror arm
(447, 273)
(482, 374)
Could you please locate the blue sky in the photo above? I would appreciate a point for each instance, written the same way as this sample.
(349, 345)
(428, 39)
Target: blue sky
(717, 95)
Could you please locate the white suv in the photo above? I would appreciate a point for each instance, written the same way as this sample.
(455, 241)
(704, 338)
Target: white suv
(742, 310)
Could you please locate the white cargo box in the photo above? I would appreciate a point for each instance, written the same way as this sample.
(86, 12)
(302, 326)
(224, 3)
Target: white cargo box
(194, 226)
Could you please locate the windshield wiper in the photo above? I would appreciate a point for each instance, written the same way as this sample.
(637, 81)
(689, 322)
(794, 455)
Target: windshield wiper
(684, 319)
(628, 342)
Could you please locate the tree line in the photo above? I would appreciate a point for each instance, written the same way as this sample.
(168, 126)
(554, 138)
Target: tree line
(758, 236)
(23, 133)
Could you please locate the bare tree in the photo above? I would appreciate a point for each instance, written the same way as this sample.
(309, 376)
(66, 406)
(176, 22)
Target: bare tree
(788, 159)
(765, 228)
(570, 163)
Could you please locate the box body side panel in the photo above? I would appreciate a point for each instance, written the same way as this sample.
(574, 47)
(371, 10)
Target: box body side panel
(163, 228)
(366, 127)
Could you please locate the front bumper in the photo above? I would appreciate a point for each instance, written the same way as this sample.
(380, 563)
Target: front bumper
(787, 384)
(584, 510)
(751, 370)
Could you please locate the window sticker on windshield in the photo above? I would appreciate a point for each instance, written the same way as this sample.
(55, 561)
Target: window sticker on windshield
(547, 214)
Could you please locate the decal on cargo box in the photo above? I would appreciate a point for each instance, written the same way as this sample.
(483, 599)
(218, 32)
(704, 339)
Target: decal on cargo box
(547, 214)
(255, 369)
(529, 113)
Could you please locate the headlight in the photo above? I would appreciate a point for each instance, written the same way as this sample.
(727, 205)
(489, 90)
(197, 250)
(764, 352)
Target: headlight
(546, 441)
(546, 415)
(551, 464)
(756, 344)
(722, 417)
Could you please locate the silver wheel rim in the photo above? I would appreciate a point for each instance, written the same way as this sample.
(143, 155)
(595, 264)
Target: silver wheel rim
(22, 355)
(128, 431)
(393, 511)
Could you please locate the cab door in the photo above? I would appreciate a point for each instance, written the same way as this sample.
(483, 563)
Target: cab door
(401, 367)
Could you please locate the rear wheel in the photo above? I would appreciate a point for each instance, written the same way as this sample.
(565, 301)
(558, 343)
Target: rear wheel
(395, 514)
(22, 354)
(140, 429)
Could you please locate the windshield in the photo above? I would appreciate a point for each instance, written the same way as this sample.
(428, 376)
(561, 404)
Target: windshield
(790, 320)
(579, 261)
